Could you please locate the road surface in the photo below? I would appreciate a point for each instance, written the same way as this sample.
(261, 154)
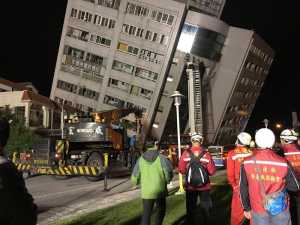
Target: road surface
(59, 198)
(53, 196)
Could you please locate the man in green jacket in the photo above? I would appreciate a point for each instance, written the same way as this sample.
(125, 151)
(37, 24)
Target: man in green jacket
(153, 171)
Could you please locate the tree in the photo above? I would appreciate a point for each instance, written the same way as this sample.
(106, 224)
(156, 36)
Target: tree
(21, 138)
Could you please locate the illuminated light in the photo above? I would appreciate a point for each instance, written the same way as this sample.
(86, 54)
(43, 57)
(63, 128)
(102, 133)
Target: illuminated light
(186, 42)
(278, 125)
(170, 79)
(155, 125)
(242, 113)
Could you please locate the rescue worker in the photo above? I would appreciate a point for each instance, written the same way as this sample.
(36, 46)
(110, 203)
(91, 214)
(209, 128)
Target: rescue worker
(153, 171)
(234, 160)
(265, 174)
(291, 150)
(17, 206)
(192, 192)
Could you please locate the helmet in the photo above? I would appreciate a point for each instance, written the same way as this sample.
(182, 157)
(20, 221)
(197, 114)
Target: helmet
(264, 138)
(196, 138)
(289, 135)
(244, 138)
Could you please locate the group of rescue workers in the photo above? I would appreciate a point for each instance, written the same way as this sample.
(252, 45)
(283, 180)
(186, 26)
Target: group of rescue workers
(264, 181)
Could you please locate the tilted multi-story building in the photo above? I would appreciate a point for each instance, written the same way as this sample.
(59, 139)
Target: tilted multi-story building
(124, 53)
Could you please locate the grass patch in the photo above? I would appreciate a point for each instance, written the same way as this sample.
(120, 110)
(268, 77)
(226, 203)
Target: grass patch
(129, 213)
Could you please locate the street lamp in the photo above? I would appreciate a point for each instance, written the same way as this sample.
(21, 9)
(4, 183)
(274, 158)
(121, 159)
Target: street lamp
(266, 122)
(177, 102)
(278, 125)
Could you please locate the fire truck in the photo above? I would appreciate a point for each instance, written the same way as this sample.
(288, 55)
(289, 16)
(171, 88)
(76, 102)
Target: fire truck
(84, 146)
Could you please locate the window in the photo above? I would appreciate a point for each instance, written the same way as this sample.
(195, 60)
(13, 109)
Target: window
(109, 100)
(159, 16)
(133, 50)
(109, 3)
(135, 90)
(150, 56)
(137, 10)
(66, 86)
(132, 30)
(148, 35)
(94, 59)
(77, 34)
(95, 19)
(128, 49)
(146, 93)
(74, 13)
(123, 67)
(164, 18)
(139, 32)
(104, 21)
(119, 85)
(170, 20)
(112, 24)
(73, 52)
(146, 74)
(88, 93)
(100, 40)
(154, 37)
(153, 15)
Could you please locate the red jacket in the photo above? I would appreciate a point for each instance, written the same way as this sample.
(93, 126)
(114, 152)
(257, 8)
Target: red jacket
(274, 173)
(234, 160)
(206, 161)
(292, 154)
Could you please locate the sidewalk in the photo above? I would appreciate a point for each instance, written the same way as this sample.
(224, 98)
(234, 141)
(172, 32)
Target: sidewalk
(96, 204)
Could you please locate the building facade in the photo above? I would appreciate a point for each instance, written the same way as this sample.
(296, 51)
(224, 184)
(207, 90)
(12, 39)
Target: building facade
(244, 66)
(128, 53)
(117, 53)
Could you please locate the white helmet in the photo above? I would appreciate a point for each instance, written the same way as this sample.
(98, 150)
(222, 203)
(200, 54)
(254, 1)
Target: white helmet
(289, 135)
(264, 138)
(244, 138)
(196, 138)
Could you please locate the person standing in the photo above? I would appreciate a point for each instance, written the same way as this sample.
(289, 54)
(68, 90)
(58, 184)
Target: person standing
(291, 150)
(17, 206)
(153, 171)
(194, 192)
(264, 179)
(234, 160)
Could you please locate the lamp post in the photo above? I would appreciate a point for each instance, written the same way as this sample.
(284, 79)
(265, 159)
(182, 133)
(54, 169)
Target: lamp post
(266, 122)
(177, 102)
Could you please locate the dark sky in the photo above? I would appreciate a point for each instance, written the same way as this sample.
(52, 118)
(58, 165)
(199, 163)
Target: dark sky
(30, 35)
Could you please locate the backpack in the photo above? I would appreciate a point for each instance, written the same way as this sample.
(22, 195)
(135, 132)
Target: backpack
(197, 174)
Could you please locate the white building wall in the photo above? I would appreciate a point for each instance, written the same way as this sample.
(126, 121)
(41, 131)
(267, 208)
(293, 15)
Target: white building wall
(234, 53)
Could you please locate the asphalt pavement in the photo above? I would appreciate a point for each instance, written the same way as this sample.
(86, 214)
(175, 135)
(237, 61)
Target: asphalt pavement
(60, 198)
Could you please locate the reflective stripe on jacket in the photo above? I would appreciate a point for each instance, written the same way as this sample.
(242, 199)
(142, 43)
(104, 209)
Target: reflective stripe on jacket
(235, 158)
(292, 154)
(273, 172)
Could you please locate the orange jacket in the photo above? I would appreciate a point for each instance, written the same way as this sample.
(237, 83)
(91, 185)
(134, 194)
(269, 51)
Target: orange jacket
(234, 160)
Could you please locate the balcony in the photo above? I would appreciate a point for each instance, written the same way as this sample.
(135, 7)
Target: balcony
(86, 70)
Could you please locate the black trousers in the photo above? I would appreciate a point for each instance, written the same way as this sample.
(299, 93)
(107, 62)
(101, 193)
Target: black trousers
(295, 208)
(148, 205)
(193, 210)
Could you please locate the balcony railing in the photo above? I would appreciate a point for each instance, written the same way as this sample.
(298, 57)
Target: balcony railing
(86, 70)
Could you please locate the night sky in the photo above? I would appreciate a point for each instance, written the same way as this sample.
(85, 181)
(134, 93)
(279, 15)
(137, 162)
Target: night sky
(30, 35)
